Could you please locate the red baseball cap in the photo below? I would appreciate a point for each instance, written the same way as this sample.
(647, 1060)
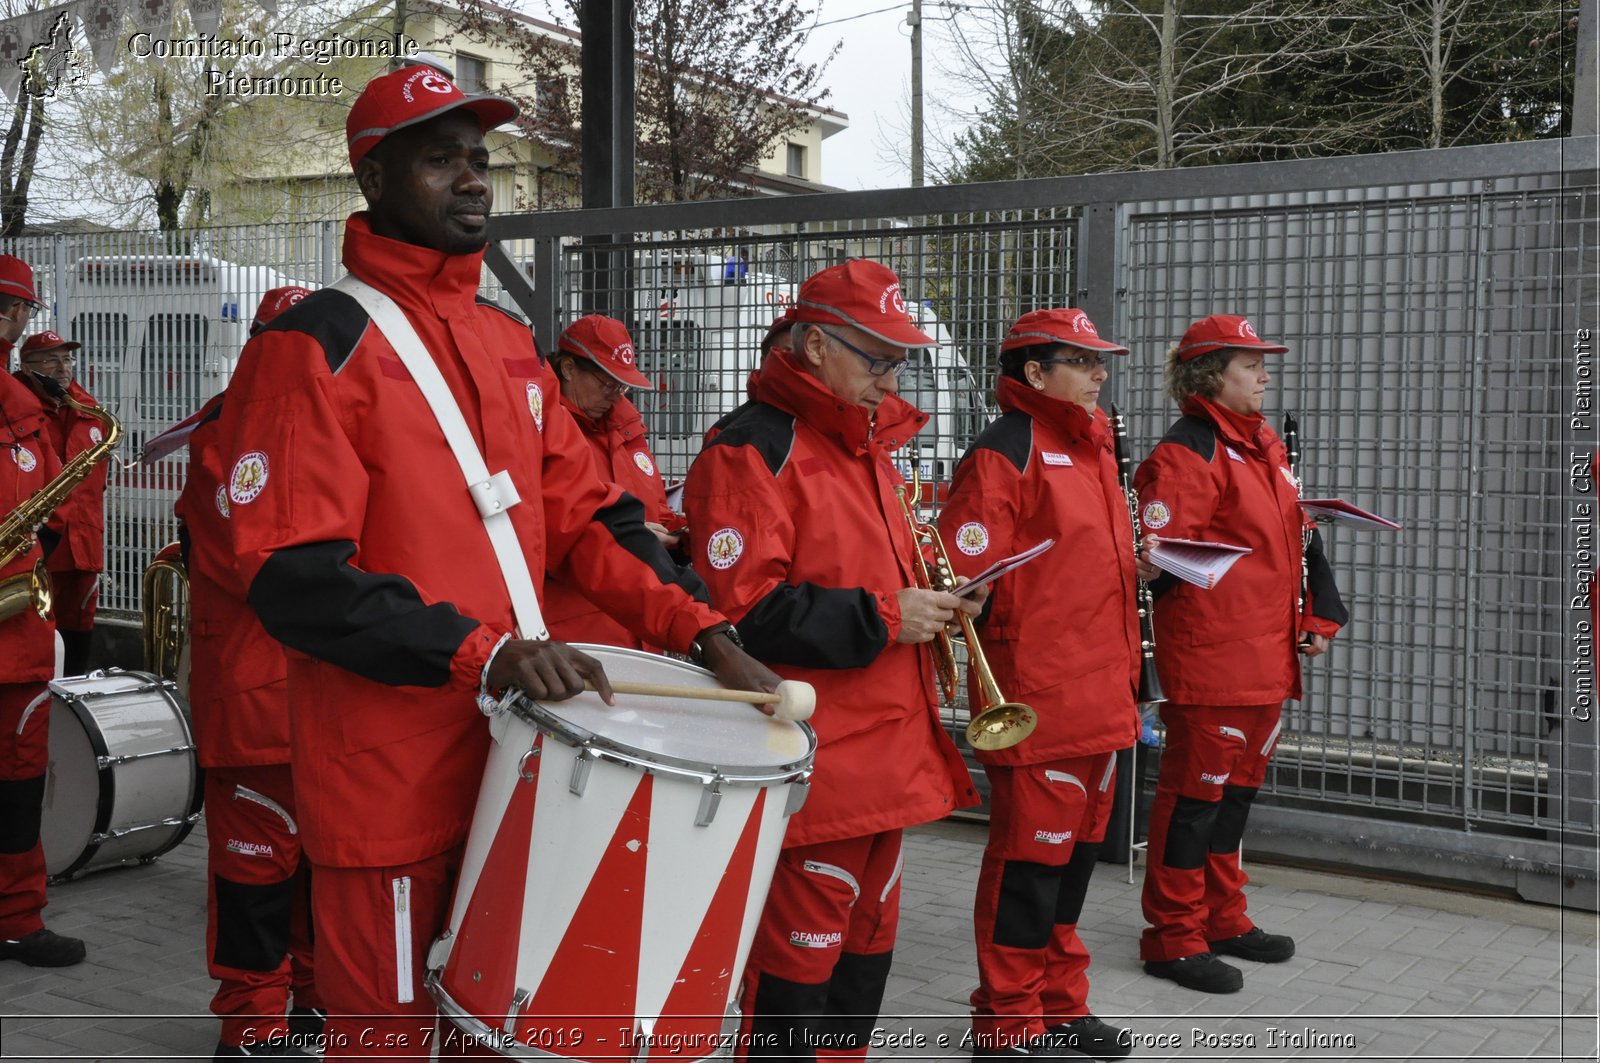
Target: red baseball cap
(605, 342)
(1221, 331)
(782, 321)
(47, 341)
(276, 302)
(1069, 325)
(410, 95)
(863, 294)
(16, 278)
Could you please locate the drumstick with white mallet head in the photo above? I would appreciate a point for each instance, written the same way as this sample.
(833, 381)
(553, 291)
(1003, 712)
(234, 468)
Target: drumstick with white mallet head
(793, 700)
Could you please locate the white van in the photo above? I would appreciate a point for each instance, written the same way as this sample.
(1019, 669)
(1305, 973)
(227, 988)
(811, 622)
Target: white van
(698, 325)
(161, 334)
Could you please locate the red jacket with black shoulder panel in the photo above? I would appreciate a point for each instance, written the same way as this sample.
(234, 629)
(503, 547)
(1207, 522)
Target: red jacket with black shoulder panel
(1061, 633)
(794, 521)
(362, 551)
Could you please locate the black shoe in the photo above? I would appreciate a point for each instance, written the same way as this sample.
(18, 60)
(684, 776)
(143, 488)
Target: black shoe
(1043, 1046)
(1202, 972)
(1093, 1037)
(275, 1047)
(1256, 944)
(306, 1024)
(43, 948)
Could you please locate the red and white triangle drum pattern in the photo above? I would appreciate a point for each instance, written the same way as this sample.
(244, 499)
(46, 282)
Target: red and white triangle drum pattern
(591, 907)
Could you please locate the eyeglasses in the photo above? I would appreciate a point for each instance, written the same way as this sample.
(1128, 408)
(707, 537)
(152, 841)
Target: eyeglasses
(28, 309)
(60, 359)
(876, 366)
(1088, 361)
(609, 385)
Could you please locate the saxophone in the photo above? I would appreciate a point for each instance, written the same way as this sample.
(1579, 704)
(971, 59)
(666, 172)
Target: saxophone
(19, 529)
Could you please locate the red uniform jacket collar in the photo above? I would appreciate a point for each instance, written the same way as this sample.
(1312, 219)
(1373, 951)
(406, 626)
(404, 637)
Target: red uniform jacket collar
(790, 388)
(1068, 418)
(21, 414)
(412, 275)
(50, 403)
(622, 424)
(1242, 429)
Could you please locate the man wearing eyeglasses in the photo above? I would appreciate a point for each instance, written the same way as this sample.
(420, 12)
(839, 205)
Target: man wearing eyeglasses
(595, 366)
(795, 526)
(75, 565)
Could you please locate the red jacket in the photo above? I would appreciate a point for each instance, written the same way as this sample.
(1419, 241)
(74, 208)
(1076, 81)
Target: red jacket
(238, 674)
(27, 463)
(1224, 477)
(363, 552)
(1061, 633)
(622, 456)
(83, 514)
(794, 522)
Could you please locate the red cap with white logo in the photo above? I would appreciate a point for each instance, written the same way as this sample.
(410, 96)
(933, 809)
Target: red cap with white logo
(863, 294)
(410, 95)
(1222, 331)
(1069, 325)
(16, 278)
(605, 342)
(47, 341)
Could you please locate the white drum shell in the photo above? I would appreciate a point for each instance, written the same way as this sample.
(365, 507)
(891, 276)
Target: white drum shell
(123, 783)
(576, 835)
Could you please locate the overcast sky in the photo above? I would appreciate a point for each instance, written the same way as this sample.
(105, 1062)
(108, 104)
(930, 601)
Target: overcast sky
(871, 82)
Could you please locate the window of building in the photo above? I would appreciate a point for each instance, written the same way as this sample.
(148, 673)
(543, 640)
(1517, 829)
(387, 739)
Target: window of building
(472, 73)
(797, 160)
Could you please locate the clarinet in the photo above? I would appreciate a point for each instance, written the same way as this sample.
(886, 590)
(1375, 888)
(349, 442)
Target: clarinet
(1150, 692)
(1291, 443)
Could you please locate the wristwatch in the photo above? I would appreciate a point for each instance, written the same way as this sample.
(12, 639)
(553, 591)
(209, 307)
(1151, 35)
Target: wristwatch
(697, 648)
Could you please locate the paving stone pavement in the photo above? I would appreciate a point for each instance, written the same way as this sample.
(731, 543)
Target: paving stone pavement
(1383, 971)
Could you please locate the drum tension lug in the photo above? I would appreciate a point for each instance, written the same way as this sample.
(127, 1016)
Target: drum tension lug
(518, 1002)
(580, 771)
(710, 799)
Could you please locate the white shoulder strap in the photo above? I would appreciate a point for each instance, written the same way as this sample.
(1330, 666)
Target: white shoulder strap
(493, 495)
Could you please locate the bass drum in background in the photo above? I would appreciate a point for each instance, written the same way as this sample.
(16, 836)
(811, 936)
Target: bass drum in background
(124, 784)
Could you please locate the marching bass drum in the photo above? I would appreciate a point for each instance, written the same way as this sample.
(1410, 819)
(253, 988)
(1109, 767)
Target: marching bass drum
(123, 785)
(617, 865)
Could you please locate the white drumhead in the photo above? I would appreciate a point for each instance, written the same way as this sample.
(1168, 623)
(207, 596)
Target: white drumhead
(723, 734)
(71, 790)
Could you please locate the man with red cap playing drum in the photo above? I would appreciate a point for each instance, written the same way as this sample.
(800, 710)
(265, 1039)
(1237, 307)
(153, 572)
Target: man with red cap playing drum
(1061, 636)
(595, 366)
(77, 561)
(346, 437)
(28, 461)
(794, 519)
(1227, 656)
(258, 921)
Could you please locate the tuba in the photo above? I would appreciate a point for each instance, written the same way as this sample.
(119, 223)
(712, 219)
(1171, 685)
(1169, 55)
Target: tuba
(19, 530)
(166, 613)
(1150, 692)
(996, 723)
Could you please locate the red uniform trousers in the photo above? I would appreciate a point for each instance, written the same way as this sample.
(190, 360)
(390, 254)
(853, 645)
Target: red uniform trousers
(258, 927)
(76, 595)
(1214, 762)
(1046, 823)
(374, 928)
(24, 753)
(820, 959)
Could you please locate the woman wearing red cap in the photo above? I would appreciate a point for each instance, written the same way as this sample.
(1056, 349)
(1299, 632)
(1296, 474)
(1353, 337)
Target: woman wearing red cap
(1062, 636)
(596, 365)
(1227, 656)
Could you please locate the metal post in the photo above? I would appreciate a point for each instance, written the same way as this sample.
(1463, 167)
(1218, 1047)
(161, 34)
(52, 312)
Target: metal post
(1586, 79)
(914, 20)
(606, 27)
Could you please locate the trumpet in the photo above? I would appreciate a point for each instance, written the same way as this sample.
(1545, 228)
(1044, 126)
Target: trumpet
(1150, 692)
(996, 723)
